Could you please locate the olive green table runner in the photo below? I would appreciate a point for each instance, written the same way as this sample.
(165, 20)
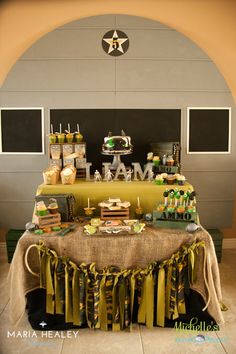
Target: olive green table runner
(149, 193)
(155, 253)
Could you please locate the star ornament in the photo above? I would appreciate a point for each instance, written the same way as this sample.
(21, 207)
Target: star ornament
(115, 43)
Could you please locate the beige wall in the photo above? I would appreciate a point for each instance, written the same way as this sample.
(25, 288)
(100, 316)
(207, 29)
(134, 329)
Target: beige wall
(209, 23)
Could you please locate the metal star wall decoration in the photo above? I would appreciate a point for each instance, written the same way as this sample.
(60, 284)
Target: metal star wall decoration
(115, 43)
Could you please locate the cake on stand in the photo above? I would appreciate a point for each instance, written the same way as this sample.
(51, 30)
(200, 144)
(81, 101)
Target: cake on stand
(116, 146)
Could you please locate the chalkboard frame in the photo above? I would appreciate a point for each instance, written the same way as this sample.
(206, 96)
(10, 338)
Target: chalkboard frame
(189, 109)
(42, 152)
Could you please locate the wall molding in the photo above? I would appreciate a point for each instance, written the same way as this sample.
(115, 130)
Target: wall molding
(115, 91)
(109, 59)
(229, 243)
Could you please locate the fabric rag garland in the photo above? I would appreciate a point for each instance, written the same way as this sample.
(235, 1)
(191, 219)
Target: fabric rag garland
(106, 299)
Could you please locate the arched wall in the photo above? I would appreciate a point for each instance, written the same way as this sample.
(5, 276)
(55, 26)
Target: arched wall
(67, 68)
(210, 24)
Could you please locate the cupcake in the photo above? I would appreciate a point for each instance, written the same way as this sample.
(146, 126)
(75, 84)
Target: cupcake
(159, 180)
(170, 161)
(156, 161)
(41, 209)
(164, 176)
(170, 179)
(181, 180)
(53, 206)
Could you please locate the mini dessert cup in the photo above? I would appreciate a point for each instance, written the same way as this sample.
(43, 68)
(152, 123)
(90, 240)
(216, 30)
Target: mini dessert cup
(61, 138)
(52, 138)
(69, 137)
(78, 137)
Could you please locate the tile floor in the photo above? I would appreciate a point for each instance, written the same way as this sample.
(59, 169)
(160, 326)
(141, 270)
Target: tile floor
(140, 341)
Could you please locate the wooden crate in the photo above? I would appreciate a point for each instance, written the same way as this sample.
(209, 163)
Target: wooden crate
(173, 220)
(120, 214)
(12, 238)
(49, 220)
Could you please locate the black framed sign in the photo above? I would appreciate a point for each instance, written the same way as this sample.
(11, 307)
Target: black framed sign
(208, 130)
(22, 130)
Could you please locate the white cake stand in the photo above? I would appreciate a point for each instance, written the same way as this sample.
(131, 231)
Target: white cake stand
(116, 157)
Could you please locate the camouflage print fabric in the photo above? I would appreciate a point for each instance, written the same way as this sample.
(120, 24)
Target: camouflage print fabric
(105, 299)
(92, 297)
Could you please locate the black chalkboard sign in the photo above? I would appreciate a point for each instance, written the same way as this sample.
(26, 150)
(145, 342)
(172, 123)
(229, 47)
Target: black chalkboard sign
(209, 130)
(22, 130)
(145, 126)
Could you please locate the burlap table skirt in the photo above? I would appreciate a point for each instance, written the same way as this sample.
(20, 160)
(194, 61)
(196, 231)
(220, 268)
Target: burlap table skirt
(124, 251)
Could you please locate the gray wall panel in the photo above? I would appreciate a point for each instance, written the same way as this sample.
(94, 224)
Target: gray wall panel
(19, 186)
(62, 74)
(86, 43)
(15, 214)
(151, 74)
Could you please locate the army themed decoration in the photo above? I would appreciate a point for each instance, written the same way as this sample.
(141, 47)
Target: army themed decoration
(115, 43)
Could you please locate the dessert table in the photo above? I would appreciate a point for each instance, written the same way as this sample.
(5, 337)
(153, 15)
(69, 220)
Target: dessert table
(150, 194)
(124, 251)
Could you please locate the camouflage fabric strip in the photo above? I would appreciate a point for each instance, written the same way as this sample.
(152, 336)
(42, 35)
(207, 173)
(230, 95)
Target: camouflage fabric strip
(102, 305)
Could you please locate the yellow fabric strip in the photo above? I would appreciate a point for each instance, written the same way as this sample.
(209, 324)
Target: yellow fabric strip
(132, 290)
(142, 306)
(49, 285)
(149, 292)
(68, 296)
(75, 295)
(161, 298)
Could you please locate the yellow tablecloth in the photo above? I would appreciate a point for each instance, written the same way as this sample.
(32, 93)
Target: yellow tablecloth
(149, 193)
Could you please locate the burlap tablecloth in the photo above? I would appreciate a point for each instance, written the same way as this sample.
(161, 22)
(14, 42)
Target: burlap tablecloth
(121, 250)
